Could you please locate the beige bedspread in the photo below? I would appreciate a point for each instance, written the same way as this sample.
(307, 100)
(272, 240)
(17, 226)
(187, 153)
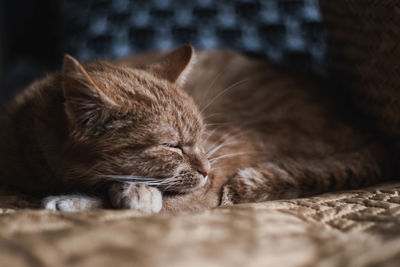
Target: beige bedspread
(353, 228)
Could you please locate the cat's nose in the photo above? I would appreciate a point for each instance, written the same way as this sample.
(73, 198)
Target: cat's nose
(199, 160)
(204, 168)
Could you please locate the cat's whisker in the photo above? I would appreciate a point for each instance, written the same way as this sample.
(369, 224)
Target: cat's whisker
(215, 149)
(224, 143)
(214, 146)
(224, 136)
(229, 136)
(150, 181)
(212, 84)
(128, 177)
(168, 180)
(132, 179)
(213, 132)
(223, 92)
(218, 147)
(169, 186)
(216, 159)
(168, 183)
(139, 182)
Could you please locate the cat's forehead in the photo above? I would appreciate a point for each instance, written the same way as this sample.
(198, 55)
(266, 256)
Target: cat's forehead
(169, 111)
(111, 75)
(178, 124)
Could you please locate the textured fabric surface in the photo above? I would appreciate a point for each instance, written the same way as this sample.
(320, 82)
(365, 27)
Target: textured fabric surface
(364, 54)
(355, 228)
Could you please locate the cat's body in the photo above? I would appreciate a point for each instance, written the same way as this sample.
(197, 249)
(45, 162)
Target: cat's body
(267, 135)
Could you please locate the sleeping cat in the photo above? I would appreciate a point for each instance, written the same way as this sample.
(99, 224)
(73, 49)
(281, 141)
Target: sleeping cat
(172, 131)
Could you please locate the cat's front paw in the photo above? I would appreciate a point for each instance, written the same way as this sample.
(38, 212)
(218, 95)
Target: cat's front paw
(134, 196)
(255, 185)
(248, 185)
(71, 203)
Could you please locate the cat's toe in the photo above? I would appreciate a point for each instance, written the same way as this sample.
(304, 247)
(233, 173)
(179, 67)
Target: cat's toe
(151, 199)
(50, 203)
(139, 197)
(58, 203)
(71, 203)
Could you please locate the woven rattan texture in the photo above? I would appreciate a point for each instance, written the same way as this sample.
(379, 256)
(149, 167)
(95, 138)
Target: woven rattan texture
(364, 53)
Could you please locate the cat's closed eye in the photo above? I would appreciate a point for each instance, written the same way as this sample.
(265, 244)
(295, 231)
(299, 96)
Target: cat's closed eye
(174, 148)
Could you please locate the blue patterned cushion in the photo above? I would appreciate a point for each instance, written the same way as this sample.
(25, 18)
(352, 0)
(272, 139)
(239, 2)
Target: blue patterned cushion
(286, 31)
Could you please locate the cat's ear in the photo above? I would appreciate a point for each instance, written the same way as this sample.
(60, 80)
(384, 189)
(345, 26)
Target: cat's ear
(85, 101)
(175, 66)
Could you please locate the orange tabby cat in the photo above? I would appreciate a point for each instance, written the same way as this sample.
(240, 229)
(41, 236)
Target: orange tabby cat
(126, 134)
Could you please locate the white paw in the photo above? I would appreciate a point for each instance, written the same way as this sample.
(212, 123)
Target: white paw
(71, 203)
(138, 197)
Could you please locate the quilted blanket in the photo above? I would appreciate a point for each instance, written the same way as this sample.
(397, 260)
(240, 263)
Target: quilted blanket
(352, 228)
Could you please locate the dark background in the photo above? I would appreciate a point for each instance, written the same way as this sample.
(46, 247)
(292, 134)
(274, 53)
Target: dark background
(35, 34)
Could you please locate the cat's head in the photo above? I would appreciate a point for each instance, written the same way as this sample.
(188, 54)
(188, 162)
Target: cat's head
(135, 124)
